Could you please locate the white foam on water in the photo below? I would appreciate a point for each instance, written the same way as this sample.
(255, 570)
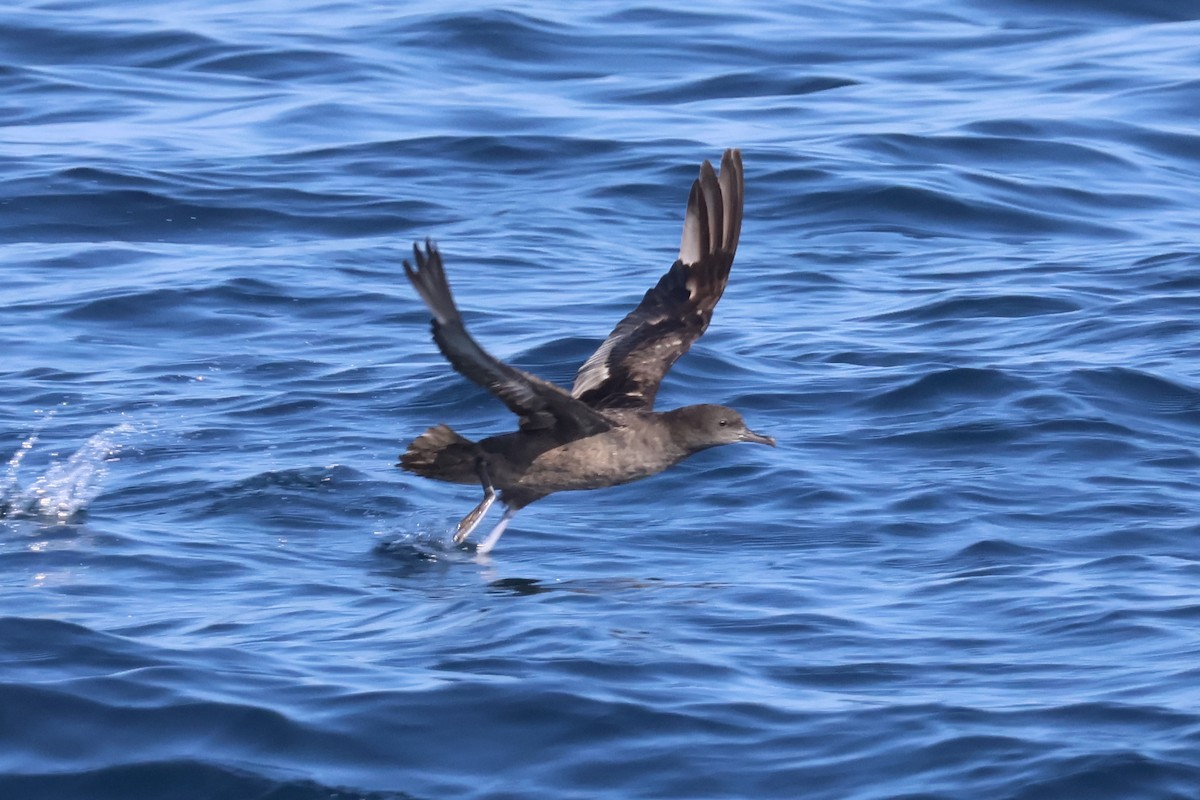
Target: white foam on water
(69, 486)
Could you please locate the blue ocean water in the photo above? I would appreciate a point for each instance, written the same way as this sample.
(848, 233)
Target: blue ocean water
(966, 303)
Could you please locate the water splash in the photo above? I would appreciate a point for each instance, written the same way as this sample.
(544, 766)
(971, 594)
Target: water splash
(421, 541)
(67, 487)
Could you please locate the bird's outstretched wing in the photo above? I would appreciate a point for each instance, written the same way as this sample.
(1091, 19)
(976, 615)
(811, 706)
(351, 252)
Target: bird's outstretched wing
(540, 404)
(627, 368)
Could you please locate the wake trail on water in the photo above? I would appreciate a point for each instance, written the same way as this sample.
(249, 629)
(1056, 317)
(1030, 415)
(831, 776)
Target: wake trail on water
(69, 486)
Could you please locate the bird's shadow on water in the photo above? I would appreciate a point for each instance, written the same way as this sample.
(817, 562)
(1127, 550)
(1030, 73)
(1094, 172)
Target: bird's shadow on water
(520, 587)
(528, 587)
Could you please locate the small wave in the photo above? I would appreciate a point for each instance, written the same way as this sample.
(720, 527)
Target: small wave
(1142, 393)
(163, 777)
(68, 487)
(1004, 306)
(935, 389)
(756, 83)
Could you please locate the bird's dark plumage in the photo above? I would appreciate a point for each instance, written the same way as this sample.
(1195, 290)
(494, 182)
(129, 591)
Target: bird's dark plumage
(539, 404)
(628, 367)
(604, 431)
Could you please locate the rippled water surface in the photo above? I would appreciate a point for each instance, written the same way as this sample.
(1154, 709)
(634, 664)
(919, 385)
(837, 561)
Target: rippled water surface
(966, 302)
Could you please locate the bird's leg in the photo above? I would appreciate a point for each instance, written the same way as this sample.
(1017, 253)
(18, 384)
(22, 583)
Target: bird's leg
(471, 521)
(488, 543)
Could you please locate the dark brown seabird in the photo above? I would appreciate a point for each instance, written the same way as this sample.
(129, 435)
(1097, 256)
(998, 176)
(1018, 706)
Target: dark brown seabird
(604, 431)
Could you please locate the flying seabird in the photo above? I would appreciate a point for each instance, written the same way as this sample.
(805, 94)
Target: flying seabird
(604, 431)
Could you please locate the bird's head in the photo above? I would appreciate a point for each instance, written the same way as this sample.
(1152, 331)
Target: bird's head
(703, 426)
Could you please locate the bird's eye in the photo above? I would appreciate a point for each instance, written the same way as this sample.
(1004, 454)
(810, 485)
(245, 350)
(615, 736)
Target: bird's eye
(722, 422)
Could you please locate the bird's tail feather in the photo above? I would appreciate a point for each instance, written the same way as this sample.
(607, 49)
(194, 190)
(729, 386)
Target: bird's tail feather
(442, 454)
